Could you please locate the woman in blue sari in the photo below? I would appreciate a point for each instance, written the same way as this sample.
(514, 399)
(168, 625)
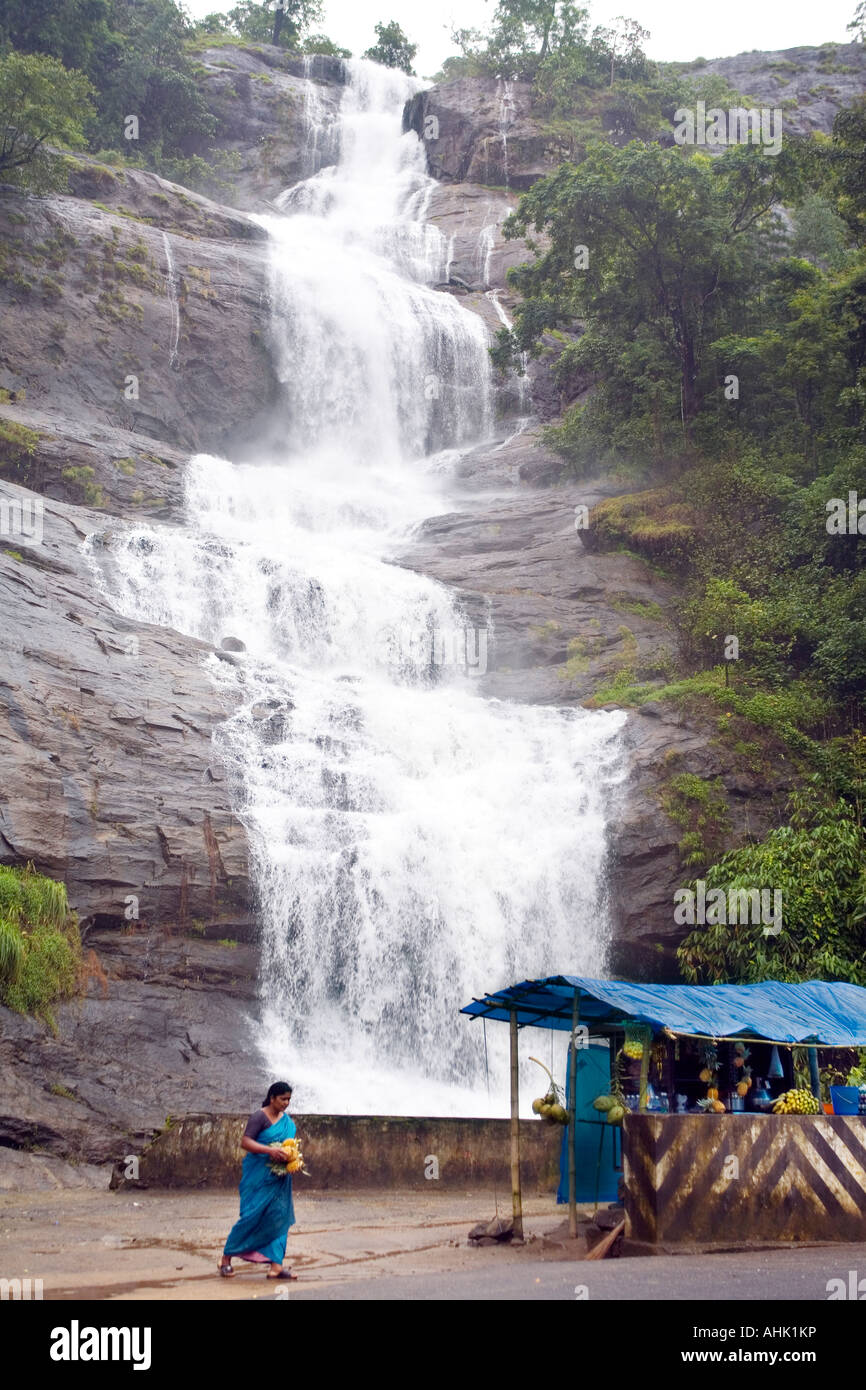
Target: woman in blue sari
(267, 1211)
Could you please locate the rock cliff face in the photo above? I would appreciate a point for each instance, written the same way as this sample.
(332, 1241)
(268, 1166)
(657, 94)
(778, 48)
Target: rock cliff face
(135, 323)
(482, 130)
(811, 85)
(135, 332)
(110, 780)
(276, 116)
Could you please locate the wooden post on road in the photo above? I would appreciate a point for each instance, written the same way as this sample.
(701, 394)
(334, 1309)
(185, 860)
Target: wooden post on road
(516, 1199)
(572, 1121)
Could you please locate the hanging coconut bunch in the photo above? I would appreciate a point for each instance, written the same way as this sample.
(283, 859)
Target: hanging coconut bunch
(549, 1106)
(612, 1107)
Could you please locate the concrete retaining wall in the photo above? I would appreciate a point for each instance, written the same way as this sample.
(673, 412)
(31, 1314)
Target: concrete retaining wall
(352, 1151)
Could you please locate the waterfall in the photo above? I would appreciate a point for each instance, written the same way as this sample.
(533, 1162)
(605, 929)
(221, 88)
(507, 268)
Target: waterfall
(486, 242)
(319, 133)
(413, 841)
(171, 279)
(506, 116)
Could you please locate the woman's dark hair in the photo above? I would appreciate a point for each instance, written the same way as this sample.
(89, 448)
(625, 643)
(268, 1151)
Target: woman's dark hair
(279, 1088)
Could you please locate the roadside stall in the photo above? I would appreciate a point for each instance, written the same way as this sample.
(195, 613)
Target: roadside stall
(741, 1108)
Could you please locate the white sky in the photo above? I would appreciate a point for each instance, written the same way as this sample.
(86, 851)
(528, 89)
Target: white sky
(678, 30)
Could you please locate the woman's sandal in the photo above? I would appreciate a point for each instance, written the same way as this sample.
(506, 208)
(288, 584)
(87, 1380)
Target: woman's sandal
(226, 1271)
(283, 1274)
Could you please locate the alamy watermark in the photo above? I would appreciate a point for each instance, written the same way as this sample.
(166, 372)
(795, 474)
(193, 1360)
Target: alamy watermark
(22, 519)
(846, 518)
(458, 648)
(734, 908)
(739, 125)
(854, 1289)
(20, 1290)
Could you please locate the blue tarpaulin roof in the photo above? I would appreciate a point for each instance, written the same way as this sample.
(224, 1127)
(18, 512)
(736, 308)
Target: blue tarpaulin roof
(813, 1012)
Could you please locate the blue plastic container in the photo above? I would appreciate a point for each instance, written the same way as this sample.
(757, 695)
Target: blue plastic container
(845, 1100)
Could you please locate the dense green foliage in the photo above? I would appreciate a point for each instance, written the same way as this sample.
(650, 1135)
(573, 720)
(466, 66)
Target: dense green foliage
(588, 83)
(136, 60)
(732, 370)
(669, 243)
(41, 103)
(707, 315)
(549, 41)
(818, 864)
(392, 48)
(40, 949)
(254, 21)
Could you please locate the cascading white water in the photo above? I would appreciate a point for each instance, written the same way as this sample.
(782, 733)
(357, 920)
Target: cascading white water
(319, 133)
(506, 116)
(171, 279)
(414, 843)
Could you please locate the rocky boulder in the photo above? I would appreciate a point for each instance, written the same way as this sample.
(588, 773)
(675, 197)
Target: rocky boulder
(810, 85)
(482, 130)
(164, 1026)
(119, 321)
(276, 116)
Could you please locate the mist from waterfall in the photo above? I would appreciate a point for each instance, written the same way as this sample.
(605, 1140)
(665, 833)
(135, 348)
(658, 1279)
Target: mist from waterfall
(413, 842)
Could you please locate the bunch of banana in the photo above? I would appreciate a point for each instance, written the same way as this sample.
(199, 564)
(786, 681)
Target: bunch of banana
(295, 1163)
(797, 1103)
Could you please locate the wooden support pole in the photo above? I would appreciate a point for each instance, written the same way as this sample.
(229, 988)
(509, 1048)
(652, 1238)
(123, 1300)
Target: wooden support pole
(814, 1075)
(572, 1121)
(644, 1072)
(516, 1199)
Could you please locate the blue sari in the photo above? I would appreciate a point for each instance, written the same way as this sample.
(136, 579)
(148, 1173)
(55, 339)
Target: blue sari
(267, 1210)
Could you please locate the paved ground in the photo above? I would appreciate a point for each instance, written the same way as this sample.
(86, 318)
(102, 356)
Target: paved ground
(398, 1245)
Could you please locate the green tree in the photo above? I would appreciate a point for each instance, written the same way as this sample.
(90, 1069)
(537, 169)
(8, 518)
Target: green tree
(40, 102)
(75, 31)
(618, 47)
(215, 23)
(523, 34)
(392, 48)
(817, 863)
(152, 78)
(320, 43)
(848, 165)
(255, 21)
(668, 240)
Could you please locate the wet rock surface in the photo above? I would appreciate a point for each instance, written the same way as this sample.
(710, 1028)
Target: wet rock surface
(166, 1026)
(110, 779)
(114, 321)
(482, 130)
(809, 85)
(279, 127)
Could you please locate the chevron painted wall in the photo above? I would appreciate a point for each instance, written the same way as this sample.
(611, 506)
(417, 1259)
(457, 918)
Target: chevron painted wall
(714, 1179)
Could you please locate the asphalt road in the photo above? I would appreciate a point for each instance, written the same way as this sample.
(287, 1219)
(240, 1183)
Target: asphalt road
(747, 1279)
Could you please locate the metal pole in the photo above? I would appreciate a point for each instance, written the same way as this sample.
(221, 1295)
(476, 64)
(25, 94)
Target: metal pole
(516, 1200)
(572, 1121)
